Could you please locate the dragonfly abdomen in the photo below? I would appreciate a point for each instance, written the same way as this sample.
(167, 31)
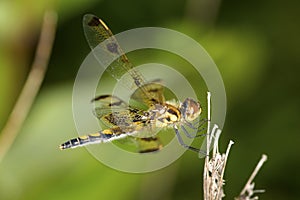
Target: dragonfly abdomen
(104, 136)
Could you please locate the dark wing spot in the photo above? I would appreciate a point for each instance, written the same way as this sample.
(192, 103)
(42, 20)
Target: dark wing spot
(94, 22)
(100, 97)
(149, 139)
(112, 47)
(115, 103)
(149, 150)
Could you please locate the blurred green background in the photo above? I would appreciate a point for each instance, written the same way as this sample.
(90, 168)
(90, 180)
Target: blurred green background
(255, 44)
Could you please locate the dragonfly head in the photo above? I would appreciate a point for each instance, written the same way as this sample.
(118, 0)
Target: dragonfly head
(190, 109)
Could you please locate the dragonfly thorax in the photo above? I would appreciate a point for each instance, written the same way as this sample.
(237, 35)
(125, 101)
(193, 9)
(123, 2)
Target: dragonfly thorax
(166, 115)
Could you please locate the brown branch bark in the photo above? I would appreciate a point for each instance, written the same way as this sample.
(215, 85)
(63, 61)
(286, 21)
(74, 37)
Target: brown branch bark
(32, 84)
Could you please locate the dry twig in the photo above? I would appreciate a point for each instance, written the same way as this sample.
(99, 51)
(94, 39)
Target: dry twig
(32, 84)
(214, 167)
(248, 191)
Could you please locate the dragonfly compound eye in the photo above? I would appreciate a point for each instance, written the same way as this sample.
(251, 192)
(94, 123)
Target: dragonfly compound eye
(190, 109)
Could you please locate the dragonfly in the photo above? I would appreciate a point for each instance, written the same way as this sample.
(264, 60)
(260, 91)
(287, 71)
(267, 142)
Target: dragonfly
(128, 121)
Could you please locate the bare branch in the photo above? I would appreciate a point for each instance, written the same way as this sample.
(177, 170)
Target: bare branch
(215, 162)
(32, 84)
(248, 191)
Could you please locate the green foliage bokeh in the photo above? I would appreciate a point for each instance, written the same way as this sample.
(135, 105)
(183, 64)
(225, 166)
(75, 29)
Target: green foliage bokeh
(256, 47)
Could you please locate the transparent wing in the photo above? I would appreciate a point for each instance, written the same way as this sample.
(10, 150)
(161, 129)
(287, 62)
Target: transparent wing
(154, 93)
(113, 111)
(96, 33)
(150, 144)
(109, 101)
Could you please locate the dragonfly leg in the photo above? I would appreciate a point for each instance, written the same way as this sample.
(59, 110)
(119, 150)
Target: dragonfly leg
(189, 135)
(194, 135)
(196, 125)
(191, 125)
(181, 142)
(199, 123)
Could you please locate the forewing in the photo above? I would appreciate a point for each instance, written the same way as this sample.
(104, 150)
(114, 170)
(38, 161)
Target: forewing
(100, 36)
(96, 33)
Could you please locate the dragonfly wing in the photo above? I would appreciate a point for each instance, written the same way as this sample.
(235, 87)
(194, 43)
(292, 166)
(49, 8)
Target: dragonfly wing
(146, 145)
(113, 111)
(96, 33)
(107, 104)
(99, 35)
(109, 101)
(154, 91)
